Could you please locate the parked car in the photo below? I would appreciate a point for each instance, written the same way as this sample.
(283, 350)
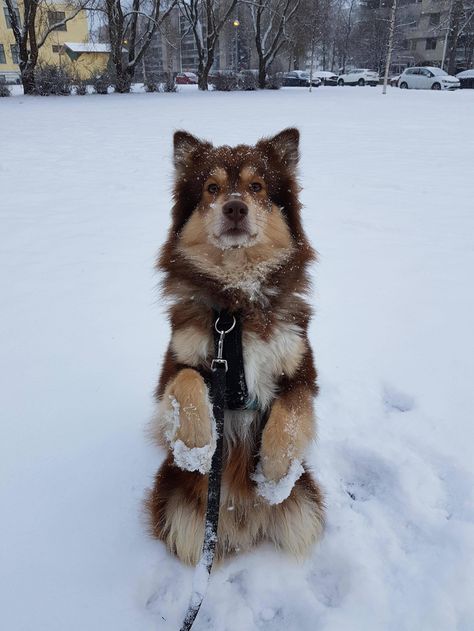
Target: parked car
(359, 76)
(10, 78)
(186, 78)
(326, 77)
(298, 78)
(466, 79)
(427, 78)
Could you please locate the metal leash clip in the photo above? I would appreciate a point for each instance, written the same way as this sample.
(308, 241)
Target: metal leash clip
(220, 345)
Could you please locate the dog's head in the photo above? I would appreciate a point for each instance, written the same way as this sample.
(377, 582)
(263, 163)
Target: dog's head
(237, 197)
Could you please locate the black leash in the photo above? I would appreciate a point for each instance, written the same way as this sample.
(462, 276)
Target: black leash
(218, 397)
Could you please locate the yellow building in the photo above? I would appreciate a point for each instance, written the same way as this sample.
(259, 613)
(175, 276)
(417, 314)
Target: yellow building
(92, 58)
(86, 59)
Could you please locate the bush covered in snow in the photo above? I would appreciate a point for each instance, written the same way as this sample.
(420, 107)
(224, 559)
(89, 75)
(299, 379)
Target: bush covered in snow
(248, 81)
(4, 91)
(273, 82)
(53, 80)
(80, 87)
(168, 84)
(225, 81)
(101, 82)
(151, 85)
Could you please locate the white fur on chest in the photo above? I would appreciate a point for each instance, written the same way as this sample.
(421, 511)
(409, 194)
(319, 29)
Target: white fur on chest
(265, 361)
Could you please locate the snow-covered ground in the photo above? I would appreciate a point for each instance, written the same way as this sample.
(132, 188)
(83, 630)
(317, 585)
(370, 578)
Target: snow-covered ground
(84, 205)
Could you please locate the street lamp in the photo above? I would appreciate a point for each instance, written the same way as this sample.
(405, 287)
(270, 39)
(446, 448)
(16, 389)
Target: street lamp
(236, 25)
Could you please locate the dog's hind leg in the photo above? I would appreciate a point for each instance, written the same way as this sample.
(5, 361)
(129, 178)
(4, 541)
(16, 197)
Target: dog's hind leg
(297, 523)
(175, 507)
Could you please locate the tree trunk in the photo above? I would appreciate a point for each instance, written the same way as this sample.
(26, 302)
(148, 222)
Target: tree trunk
(203, 76)
(312, 62)
(453, 36)
(204, 70)
(123, 79)
(262, 73)
(393, 17)
(202, 81)
(28, 80)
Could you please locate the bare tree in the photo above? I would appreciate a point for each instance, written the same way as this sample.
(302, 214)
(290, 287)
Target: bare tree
(343, 20)
(459, 31)
(32, 21)
(313, 23)
(270, 19)
(134, 23)
(391, 33)
(348, 19)
(206, 19)
(301, 32)
(304, 33)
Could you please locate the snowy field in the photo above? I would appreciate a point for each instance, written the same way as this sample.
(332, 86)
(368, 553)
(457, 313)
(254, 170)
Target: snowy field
(389, 204)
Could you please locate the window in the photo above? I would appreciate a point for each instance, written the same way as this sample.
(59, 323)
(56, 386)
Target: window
(57, 16)
(2, 55)
(14, 53)
(430, 43)
(413, 44)
(434, 19)
(7, 16)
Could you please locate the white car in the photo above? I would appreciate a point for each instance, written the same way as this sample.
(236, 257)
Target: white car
(326, 77)
(359, 76)
(427, 78)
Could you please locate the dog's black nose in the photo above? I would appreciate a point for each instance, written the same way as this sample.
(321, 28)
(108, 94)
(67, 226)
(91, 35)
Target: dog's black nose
(235, 210)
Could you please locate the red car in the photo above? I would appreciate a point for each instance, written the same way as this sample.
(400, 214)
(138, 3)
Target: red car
(186, 78)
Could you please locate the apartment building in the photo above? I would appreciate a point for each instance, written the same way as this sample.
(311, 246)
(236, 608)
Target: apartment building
(173, 48)
(421, 32)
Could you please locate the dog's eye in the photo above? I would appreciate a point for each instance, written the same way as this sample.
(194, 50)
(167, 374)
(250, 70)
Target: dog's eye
(212, 189)
(255, 187)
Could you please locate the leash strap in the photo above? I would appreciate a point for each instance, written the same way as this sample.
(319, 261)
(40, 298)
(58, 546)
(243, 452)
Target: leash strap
(218, 398)
(236, 386)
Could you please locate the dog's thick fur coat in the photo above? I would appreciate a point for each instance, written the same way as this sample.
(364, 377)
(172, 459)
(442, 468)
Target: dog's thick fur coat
(237, 243)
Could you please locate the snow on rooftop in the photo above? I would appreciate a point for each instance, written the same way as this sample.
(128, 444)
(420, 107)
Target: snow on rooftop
(87, 47)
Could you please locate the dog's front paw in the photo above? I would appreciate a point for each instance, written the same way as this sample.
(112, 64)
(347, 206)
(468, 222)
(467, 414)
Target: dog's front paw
(193, 458)
(187, 422)
(275, 491)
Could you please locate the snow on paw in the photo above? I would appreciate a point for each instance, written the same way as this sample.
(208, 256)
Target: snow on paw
(169, 417)
(193, 458)
(190, 458)
(187, 422)
(275, 492)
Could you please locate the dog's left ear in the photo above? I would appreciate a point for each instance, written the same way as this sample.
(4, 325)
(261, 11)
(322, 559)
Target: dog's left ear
(285, 145)
(185, 145)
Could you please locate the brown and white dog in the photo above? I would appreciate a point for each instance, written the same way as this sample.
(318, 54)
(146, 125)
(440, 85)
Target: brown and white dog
(237, 243)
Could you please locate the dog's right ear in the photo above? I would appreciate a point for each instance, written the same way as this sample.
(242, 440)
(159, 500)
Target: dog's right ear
(185, 145)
